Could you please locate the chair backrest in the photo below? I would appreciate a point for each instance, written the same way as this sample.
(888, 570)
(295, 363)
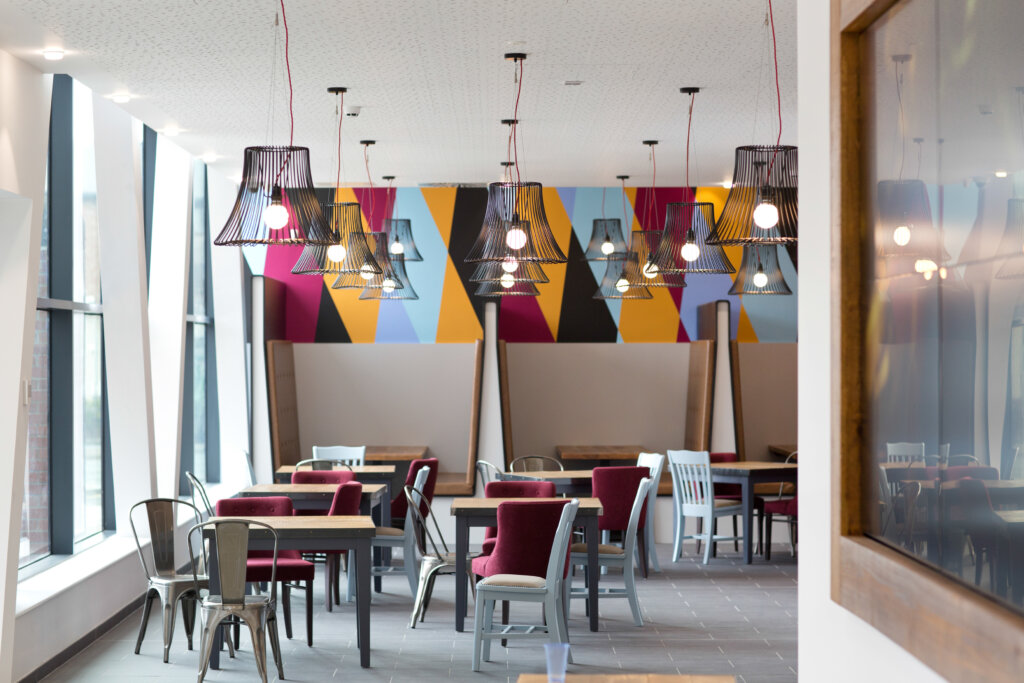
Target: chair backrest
(636, 515)
(655, 462)
(399, 504)
(322, 464)
(322, 476)
(247, 459)
(559, 556)
(691, 480)
(792, 457)
(962, 460)
(416, 499)
(346, 499)
(911, 492)
(199, 491)
(257, 506)
(943, 452)
(616, 487)
(232, 536)
(904, 451)
(161, 514)
(526, 530)
(526, 463)
(350, 455)
(520, 489)
(488, 472)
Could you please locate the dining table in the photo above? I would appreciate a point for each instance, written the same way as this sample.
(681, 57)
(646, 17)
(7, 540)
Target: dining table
(748, 473)
(368, 474)
(567, 482)
(477, 512)
(311, 533)
(601, 454)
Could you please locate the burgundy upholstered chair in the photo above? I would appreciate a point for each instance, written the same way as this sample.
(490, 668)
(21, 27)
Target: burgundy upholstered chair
(336, 477)
(346, 502)
(616, 488)
(783, 506)
(291, 568)
(513, 489)
(399, 505)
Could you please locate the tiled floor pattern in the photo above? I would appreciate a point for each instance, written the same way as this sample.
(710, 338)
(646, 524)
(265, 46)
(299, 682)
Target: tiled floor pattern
(723, 618)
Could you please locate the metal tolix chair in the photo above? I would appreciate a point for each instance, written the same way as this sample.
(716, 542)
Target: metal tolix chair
(323, 464)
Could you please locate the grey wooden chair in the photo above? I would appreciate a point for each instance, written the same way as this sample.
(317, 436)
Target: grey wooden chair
(350, 455)
(655, 462)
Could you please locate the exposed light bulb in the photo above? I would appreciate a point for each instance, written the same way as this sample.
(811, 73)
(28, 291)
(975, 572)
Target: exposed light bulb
(607, 247)
(766, 216)
(928, 274)
(336, 252)
(650, 271)
(507, 280)
(275, 215)
(53, 54)
(901, 235)
(943, 272)
(925, 265)
(690, 251)
(516, 237)
(397, 248)
(760, 279)
(388, 286)
(727, 184)
(366, 272)
(622, 285)
(510, 265)
(1000, 174)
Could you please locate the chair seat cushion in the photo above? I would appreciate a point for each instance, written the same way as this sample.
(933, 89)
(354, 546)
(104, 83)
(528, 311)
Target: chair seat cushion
(513, 581)
(602, 549)
(726, 503)
(288, 569)
(389, 531)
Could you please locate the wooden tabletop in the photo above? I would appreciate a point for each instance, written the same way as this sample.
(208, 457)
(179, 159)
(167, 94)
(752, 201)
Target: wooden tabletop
(991, 484)
(395, 453)
(357, 469)
(599, 452)
(555, 474)
(467, 506)
(1014, 519)
(311, 522)
(286, 489)
(752, 465)
(628, 678)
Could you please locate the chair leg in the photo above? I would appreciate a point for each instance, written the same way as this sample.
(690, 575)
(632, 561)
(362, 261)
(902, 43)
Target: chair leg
(711, 537)
(629, 578)
(147, 605)
(329, 581)
(286, 606)
(206, 646)
(641, 542)
(489, 606)
(653, 564)
(708, 544)
(259, 644)
(700, 532)
(309, 613)
(735, 535)
(792, 536)
(170, 610)
(679, 524)
(478, 624)
(767, 536)
(275, 643)
(188, 615)
(336, 578)
(417, 603)
(504, 620)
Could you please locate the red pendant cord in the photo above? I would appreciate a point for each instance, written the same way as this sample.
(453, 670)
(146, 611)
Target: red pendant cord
(688, 124)
(341, 116)
(291, 97)
(778, 95)
(366, 162)
(651, 205)
(629, 228)
(515, 122)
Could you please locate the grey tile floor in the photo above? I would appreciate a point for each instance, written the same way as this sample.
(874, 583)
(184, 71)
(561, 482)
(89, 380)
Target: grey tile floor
(723, 618)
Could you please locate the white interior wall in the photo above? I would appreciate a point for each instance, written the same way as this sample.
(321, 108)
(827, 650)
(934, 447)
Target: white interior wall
(835, 645)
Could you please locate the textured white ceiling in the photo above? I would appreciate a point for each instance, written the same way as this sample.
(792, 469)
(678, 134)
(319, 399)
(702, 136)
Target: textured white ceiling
(430, 77)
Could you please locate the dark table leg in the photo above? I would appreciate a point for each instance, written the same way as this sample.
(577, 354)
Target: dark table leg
(748, 519)
(363, 600)
(366, 508)
(461, 579)
(385, 520)
(593, 572)
(213, 571)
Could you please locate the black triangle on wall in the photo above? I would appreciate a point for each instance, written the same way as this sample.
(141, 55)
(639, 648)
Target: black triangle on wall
(329, 327)
(467, 218)
(583, 318)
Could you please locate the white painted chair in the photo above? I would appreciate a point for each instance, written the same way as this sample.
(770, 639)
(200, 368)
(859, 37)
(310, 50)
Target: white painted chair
(655, 462)
(521, 588)
(353, 456)
(615, 556)
(904, 451)
(693, 495)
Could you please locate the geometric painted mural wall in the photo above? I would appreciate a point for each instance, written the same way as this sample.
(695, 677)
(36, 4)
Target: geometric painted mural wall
(445, 223)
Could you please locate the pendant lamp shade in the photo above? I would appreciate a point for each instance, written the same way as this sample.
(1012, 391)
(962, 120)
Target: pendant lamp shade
(400, 241)
(365, 277)
(905, 221)
(276, 203)
(515, 226)
(683, 247)
(639, 271)
(762, 204)
(401, 291)
(508, 271)
(507, 289)
(348, 254)
(759, 271)
(606, 240)
(1012, 244)
(615, 286)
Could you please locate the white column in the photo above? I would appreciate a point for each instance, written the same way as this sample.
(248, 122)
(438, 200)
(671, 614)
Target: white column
(723, 415)
(491, 441)
(125, 320)
(262, 453)
(168, 289)
(228, 272)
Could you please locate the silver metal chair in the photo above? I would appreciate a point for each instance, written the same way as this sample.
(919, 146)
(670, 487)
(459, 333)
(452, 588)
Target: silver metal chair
(323, 464)
(433, 560)
(163, 578)
(488, 472)
(257, 611)
(514, 587)
(655, 462)
(693, 495)
(544, 462)
(350, 455)
(199, 497)
(615, 556)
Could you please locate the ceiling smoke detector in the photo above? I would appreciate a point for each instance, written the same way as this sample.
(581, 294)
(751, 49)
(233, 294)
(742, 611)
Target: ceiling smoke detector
(574, 82)
(352, 110)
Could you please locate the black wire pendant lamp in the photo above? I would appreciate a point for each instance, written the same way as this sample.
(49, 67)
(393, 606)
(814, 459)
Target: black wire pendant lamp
(493, 288)
(398, 230)
(683, 247)
(614, 284)
(276, 203)
(508, 271)
(639, 271)
(606, 240)
(350, 254)
(759, 271)
(515, 224)
(1012, 244)
(365, 276)
(402, 290)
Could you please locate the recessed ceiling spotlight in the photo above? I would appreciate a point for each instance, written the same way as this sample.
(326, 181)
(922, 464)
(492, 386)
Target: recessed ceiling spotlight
(1000, 174)
(574, 82)
(121, 97)
(171, 131)
(727, 184)
(210, 157)
(53, 54)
